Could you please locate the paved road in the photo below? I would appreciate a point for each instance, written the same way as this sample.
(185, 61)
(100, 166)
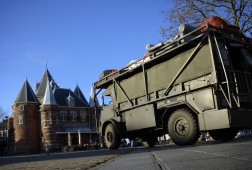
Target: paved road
(235, 155)
(208, 155)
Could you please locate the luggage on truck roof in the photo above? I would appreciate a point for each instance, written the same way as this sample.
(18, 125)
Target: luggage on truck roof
(107, 72)
(217, 22)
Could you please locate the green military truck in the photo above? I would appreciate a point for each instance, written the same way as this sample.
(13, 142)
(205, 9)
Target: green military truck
(199, 82)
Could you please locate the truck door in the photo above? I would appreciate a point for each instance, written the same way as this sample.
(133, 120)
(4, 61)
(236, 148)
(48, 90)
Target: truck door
(109, 105)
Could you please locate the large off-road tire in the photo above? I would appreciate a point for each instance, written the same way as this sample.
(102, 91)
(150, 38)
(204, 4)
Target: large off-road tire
(150, 140)
(223, 134)
(111, 137)
(183, 127)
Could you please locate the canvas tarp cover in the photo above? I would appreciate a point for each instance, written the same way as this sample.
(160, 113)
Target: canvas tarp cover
(160, 75)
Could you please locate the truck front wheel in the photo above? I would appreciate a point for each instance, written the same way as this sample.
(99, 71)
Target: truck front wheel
(111, 137)
(182, 127)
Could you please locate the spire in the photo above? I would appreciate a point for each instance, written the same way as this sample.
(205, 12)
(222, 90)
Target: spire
(43, 82)
(49, 98)
(46, 64)
(26, 94)
(79, 93)
(92, 98)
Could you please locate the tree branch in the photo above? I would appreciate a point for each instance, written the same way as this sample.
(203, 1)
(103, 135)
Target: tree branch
(236, 12)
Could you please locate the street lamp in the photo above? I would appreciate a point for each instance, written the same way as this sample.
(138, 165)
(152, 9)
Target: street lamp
(6, 124)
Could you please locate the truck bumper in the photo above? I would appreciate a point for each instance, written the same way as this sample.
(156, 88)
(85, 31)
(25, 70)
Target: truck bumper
(222, 119)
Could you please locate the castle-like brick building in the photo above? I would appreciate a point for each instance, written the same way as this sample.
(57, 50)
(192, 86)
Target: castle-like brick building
(50, 117)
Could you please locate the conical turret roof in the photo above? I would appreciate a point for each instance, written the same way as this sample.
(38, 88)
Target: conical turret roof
(26, 94)
(49, 98)
(40, 91)
(79, 93)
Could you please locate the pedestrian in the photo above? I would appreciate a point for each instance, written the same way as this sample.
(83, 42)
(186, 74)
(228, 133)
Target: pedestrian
(203, 136)
(101, 145)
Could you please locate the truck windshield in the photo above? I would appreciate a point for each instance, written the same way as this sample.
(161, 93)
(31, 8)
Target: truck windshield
(106, 100)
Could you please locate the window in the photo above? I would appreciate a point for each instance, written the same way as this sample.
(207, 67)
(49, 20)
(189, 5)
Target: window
(20, 120)
(63, 115)
(83, 115)
(21, 107)
(107, 100)
(73, 115)
(71, 103)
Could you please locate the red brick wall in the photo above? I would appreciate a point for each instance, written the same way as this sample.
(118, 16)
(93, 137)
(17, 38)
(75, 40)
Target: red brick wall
(27, 136)
(48, 126)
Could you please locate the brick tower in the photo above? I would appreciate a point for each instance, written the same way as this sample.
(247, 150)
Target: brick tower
(26, 121)
(49, 111)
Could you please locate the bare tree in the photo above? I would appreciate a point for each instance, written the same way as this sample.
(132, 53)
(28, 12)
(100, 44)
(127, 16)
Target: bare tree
(236, 12)
(3, 113)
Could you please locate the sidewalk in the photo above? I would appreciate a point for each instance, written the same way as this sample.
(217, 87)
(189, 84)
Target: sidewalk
(73, 160)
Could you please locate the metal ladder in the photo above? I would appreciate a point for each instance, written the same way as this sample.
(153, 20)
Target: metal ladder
(228, 87)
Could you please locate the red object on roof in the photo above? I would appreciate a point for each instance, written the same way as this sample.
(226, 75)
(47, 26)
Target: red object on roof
(215, 21)
(218, 21)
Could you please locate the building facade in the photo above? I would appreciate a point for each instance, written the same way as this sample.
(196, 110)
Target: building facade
(51, 117)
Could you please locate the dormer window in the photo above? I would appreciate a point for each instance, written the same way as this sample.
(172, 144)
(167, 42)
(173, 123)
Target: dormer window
(70, 101)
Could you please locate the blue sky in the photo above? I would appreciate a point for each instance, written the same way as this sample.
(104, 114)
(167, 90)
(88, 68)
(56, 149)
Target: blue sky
(78, 38)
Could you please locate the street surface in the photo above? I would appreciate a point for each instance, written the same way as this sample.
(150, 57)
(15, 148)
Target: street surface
(235, 155)
(212, 155)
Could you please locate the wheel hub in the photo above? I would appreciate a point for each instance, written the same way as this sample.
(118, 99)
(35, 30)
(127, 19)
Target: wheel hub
(182, 127)
(110, 136)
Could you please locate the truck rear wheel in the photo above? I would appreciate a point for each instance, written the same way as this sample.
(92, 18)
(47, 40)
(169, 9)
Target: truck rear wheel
(182, 127)
(223, 134)
(111, 137)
